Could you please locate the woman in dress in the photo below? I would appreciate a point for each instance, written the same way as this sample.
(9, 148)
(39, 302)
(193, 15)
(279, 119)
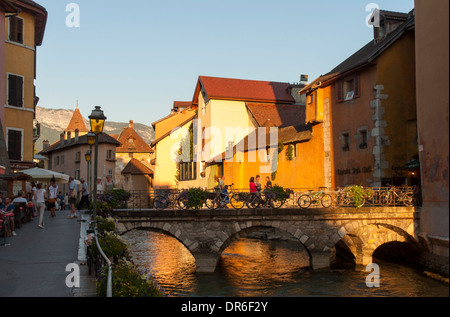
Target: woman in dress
(40, 195)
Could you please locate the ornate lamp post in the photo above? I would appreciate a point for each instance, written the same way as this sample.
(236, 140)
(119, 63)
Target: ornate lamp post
(97, 119)
(91, 142)
(88, 163)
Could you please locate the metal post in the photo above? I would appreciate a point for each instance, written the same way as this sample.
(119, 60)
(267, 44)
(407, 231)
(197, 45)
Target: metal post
(95, 176)
(90, 176)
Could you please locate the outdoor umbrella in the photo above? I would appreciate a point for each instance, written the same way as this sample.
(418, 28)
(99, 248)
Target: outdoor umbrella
(43, 175)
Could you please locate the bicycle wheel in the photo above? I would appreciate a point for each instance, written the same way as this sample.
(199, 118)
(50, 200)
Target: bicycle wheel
(161, 202)
(327, 201)
(385, 198)
(276, 203)
(182, 203)
(211, 203)
(236, 201)
(408, 200)
(304, 201)
(253, 201)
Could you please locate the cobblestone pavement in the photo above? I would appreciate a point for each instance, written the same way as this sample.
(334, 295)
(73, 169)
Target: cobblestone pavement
(33, 263)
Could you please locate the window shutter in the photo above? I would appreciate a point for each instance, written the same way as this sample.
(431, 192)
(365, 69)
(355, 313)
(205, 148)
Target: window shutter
(12, 29)
(357, 87)
(340, 91)
(15, 145)
(15, 91)
(19, 31)
(19, 92)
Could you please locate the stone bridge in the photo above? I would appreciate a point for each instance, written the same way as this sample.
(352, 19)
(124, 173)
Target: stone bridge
(206, 234)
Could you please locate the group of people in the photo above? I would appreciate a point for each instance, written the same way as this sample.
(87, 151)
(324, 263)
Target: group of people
(38, 199)
(255, 184)
(7, 210)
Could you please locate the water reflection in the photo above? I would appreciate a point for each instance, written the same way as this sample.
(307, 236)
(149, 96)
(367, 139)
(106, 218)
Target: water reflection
(267, 268)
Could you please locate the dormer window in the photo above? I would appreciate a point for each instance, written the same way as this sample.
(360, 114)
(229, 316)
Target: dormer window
(348, 89)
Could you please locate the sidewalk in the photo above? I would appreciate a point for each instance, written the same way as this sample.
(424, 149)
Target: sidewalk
(34, 264)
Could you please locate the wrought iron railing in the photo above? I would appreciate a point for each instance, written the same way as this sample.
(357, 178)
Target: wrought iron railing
(335, 197)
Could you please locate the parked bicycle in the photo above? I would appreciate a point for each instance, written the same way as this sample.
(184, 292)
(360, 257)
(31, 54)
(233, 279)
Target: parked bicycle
(219, 199)
(319, 198)
(164, 199)
(397, 196)
(268, 198)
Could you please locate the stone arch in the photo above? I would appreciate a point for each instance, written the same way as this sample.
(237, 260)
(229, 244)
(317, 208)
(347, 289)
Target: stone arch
(363, 237)
(170, 229)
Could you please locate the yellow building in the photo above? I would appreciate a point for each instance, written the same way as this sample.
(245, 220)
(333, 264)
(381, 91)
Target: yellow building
(228, 111)
(168, 136)
(134, 171)
(24, 33)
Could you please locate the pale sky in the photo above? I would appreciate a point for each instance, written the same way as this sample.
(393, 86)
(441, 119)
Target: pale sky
(134, 58)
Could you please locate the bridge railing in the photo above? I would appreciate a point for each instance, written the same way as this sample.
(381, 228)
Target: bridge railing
(318, 198)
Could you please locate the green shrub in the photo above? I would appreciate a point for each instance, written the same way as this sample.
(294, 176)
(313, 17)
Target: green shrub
(359, 194)
(194, 198)
(127, 282)
(106, 224)
(112, 245)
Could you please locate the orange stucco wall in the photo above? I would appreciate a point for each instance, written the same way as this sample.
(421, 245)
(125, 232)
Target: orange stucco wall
(353, 167)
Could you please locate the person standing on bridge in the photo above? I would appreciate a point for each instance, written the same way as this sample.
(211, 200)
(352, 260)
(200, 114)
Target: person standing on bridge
(253, 188)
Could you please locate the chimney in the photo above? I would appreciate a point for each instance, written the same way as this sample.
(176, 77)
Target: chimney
(304, 79)
(69, 136)
(77, 135)
(385, 22)
(131, 124)
(45, 144)
(61, 139)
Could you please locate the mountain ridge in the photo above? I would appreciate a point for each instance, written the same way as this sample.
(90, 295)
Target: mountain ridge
(55, 121)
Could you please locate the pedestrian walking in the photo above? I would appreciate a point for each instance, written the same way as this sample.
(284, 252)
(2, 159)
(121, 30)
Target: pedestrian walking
(40, 196)
(66, 202)
(84, 201)
(109, 185)
(100, 186)
(72, 197)
(52, 195)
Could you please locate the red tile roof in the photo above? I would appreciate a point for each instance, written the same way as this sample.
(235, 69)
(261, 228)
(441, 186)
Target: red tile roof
(136, 167)
(278, 115)
(132, 142)
(245, 90)
(77, 122)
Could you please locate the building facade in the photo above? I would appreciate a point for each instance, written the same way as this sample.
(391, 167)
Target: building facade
(369, 104)
(68, 155)
(432, 52)
(24, 32)
(135, 152)
(168, 134)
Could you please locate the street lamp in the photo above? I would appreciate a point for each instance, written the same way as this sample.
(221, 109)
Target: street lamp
(91, 142)
(88, 162)
(97, 119)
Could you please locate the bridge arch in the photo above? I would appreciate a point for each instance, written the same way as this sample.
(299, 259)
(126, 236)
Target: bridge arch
(364, 238)
(208, 233)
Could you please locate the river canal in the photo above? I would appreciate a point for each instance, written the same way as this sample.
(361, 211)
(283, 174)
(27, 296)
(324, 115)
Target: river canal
(253, 268)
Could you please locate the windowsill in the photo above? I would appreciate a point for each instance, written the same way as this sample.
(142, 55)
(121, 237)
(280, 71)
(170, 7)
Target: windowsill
(20, 45)
(19, 108)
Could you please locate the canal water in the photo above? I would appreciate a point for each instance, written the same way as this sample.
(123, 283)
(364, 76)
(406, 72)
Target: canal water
(257, 268)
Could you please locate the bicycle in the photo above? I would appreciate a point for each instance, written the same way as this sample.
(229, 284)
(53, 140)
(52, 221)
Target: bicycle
(220, 199)
(265, 199)
(395, 196)
(320, 197)
(163, 200)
